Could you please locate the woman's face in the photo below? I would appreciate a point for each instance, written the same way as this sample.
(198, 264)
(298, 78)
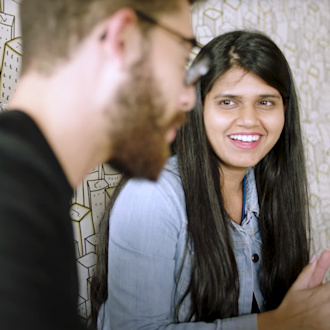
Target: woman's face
(243, 118)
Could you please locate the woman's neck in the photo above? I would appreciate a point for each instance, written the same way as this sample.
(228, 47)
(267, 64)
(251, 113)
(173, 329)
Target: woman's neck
(232, 192)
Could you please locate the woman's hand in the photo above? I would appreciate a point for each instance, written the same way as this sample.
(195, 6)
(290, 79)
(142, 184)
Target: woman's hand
(307, 303)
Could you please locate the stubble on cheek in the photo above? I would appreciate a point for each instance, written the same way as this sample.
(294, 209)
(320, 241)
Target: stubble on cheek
(138, 134)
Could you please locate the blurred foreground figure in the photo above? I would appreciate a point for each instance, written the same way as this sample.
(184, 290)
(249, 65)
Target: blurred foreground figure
(101, 82)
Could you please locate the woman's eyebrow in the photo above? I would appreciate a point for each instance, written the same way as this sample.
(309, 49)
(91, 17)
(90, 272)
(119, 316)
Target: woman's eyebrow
(233, 96)
(225, 95)
(275, 96)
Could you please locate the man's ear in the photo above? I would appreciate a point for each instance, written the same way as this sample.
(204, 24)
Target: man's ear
(118, 32)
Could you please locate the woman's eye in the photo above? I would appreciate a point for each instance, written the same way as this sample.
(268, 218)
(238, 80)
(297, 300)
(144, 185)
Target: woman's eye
(266, 103)
(227, 102)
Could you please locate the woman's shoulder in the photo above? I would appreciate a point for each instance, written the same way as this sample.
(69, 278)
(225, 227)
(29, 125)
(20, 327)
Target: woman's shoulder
(168, 184)
(144, 210)
(163, 196)
(171, 174)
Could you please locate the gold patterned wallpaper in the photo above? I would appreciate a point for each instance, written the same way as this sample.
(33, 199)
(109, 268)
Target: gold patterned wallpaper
(301, 28)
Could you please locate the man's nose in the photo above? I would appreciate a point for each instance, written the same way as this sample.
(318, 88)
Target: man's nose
(187, 98)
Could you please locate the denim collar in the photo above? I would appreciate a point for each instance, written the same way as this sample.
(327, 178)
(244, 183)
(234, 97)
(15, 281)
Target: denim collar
(251, 203)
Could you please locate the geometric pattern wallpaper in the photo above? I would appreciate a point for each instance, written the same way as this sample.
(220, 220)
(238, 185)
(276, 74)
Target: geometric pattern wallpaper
(10, 49)
(301, 29)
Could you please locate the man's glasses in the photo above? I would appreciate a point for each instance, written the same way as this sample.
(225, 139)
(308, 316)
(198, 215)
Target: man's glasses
(199, 68)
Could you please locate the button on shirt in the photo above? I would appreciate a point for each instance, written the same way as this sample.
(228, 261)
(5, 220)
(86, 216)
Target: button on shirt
(247, 249)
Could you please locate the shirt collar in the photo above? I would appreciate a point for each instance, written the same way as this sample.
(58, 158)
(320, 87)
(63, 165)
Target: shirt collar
(251, 203)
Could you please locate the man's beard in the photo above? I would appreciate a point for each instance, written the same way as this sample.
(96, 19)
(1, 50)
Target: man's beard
(138, 135)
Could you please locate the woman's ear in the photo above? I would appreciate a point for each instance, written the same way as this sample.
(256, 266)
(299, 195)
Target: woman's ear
(285, 105)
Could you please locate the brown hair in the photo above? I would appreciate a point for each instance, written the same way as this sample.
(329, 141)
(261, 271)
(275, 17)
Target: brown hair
(51, 29)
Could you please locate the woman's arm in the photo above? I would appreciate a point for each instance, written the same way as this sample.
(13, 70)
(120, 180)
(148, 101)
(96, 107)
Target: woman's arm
(147, 231)
(146, 235)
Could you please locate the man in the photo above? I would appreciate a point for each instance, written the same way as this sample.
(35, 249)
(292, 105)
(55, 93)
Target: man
(102, 80)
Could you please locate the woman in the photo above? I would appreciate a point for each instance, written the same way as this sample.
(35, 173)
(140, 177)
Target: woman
(222, 236)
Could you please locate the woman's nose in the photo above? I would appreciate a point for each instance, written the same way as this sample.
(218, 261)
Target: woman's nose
(248, 116)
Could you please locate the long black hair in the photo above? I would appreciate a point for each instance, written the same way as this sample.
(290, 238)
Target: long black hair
(281, 184)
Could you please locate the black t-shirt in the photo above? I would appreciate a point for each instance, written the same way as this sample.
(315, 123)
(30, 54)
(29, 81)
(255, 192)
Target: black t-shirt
(38, 277)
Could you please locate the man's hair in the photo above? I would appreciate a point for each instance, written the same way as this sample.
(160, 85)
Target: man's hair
(52, 29)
